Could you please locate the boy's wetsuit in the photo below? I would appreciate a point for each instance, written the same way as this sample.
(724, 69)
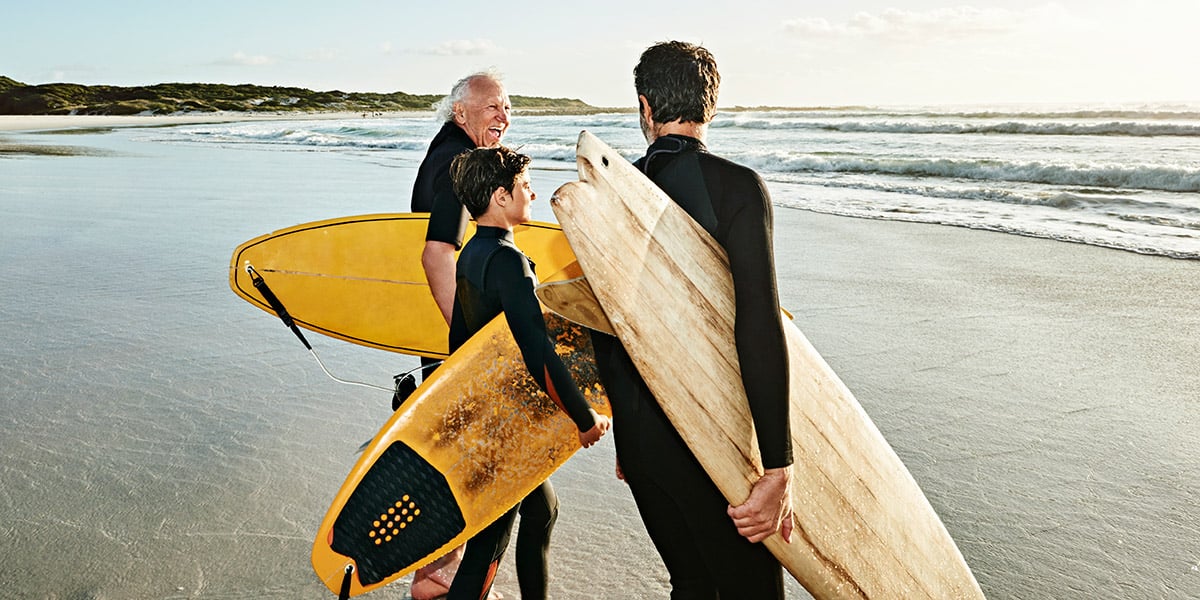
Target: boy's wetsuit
(493, 277)
(684, 512)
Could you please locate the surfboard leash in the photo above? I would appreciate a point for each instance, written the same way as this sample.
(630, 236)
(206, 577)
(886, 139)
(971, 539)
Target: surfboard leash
(260, 284)
(344, 593)
(276, 305)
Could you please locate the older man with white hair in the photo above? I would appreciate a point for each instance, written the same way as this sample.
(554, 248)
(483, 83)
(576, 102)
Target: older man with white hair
(474, 115)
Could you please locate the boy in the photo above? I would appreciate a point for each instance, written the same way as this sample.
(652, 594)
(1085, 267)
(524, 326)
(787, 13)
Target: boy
(494, 276)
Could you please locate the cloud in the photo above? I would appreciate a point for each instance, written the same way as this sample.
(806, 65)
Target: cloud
(903, 25)
(64, 71)
(241, 59)
(321, 55)
(476, 47)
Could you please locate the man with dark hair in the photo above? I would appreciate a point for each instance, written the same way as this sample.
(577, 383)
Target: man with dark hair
(710, 548)
(474, 114)
(493, 277)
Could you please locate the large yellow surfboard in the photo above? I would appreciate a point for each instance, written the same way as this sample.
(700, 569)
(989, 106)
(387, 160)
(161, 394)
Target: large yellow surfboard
(470, 443)
(863, 528)
(359, 278)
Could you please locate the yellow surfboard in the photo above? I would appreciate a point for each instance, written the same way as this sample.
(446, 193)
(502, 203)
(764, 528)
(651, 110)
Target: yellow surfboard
(359, 278)
(863, 527)
(470, 443)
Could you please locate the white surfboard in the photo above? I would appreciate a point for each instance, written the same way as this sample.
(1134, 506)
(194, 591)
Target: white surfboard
(863, 527)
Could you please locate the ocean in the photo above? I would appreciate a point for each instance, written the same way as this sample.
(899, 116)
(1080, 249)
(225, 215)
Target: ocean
(160, 438)
(1118, 177)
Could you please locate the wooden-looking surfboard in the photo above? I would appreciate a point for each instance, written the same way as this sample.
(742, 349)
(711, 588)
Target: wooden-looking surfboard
(863, 528)
(360, 279)
(568, 294)
(470, 443)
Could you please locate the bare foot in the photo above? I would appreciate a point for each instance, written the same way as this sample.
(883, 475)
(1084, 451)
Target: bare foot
(430, 588)
(433, 580)
(424, 588)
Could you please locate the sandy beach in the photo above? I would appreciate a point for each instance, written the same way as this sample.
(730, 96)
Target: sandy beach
(165, 440)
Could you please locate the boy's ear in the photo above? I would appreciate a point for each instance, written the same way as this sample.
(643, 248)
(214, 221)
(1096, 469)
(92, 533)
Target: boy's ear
(500, 196)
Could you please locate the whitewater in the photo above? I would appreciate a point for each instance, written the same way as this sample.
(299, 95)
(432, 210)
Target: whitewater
(1124, 177)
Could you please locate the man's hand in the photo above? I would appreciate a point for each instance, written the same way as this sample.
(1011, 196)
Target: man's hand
(593, 435)
(768, 509)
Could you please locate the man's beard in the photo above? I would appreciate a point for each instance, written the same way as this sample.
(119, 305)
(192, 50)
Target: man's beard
(649, 131)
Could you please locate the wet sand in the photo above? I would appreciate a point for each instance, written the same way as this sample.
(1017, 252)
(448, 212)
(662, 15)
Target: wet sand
(162, 439)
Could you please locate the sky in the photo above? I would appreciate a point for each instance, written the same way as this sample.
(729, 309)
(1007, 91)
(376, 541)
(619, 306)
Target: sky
(770, 53)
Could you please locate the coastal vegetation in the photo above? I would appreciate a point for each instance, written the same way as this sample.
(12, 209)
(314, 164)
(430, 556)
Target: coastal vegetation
(17, 98)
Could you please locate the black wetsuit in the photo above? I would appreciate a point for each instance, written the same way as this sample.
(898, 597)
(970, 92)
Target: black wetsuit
(433, 192)
(493, 276)
(684, 512)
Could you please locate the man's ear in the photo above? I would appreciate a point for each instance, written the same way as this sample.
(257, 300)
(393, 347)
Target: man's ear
(457, 110)
(644, 106)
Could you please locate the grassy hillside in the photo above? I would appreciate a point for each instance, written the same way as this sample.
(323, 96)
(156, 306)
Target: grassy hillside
(17, 98)
(6, 83)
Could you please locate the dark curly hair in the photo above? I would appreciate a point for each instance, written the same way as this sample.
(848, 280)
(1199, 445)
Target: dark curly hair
(477, 173)
(680, 81)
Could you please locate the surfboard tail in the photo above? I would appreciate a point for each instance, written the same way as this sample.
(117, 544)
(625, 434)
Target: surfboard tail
(401, 512)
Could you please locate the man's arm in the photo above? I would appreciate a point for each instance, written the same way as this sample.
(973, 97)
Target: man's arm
(444, 235)
(762, 353)
(438, 261)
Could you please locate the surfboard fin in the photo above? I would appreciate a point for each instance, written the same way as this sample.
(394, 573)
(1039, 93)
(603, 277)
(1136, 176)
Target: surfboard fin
(406, 382)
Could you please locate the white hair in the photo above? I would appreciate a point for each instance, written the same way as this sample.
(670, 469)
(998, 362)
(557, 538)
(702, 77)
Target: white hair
(444, 108)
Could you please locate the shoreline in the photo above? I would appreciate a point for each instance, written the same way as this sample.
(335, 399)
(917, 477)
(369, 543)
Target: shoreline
(48, 123)
(45, 123)
(69, 124)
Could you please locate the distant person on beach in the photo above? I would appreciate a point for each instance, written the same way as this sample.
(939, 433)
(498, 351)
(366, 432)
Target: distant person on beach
(493, 277)
(474, 115)
(710, 548)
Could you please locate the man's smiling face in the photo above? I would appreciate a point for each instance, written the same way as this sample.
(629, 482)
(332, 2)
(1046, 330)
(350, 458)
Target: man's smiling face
(484, 113)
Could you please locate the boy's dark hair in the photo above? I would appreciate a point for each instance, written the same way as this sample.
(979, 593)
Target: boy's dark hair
(680, 80)
(477, 173)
